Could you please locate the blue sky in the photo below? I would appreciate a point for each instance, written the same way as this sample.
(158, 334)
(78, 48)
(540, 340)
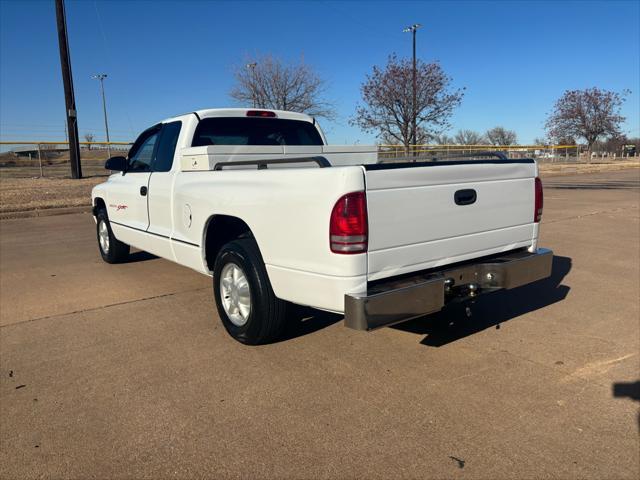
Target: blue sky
(165, 58)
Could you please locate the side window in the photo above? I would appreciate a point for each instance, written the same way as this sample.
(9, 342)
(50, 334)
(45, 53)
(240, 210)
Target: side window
(141, 153)
(166, 146)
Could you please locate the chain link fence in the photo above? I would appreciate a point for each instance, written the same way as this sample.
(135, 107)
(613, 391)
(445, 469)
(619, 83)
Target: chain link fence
(51, 159)
(568, 154)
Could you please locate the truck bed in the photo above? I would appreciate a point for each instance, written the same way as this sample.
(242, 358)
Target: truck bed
(416, 221)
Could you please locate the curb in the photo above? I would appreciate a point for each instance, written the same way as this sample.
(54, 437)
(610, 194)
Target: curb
(47, 212)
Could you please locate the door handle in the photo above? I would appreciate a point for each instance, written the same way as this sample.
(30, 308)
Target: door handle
(143, 191)
(465, 197)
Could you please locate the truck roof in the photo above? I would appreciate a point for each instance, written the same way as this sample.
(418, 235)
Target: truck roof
(242, 112)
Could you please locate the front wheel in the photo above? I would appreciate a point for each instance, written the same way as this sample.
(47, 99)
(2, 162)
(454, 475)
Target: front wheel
(112, 250)
(247, 306)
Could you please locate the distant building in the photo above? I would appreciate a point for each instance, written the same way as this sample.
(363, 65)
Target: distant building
(32, 150)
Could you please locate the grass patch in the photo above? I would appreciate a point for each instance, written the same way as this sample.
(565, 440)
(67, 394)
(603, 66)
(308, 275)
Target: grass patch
(24, 194)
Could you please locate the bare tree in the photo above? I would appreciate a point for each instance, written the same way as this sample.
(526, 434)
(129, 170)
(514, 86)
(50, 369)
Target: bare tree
(616, 145)
(442, 139)
(88, 137)
(268, 82)
(588, 114)
(388, 101)
(501, 136)
(541, 141)
(422, 137)
(469, 137)
(563, 141)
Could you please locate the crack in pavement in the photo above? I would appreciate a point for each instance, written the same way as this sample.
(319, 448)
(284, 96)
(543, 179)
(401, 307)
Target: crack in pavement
(635, 207)
(91, 309)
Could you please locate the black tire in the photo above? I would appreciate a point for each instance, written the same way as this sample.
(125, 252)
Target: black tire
(266, 318)
(115, 251)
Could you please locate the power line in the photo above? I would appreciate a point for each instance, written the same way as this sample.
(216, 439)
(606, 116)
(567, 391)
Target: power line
(109, 60)
(56, 128)
(370, 28)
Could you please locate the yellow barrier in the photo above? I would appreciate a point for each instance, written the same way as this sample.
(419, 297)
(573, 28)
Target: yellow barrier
(64, 143)
(394, 151)
(485, 146)
(426, 146)
(391, 149)
(383, 148)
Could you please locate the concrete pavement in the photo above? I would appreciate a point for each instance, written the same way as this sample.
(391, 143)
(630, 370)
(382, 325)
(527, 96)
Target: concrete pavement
(126, 372)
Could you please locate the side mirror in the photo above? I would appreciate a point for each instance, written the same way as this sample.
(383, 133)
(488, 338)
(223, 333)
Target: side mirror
(116, 164)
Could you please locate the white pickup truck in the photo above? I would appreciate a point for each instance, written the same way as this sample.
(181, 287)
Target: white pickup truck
(257, 200)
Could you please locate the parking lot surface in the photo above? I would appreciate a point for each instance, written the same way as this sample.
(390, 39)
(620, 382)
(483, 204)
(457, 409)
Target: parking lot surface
(124, 371)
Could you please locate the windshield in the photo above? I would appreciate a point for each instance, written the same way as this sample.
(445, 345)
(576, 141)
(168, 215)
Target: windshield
(255, 131)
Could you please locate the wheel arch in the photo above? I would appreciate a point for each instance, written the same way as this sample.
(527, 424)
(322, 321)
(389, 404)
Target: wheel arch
(219, 230)
(98, 204)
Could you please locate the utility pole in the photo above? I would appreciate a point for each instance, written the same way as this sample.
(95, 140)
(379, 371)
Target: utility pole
(101, 77)
(69, 98)
(413, 29)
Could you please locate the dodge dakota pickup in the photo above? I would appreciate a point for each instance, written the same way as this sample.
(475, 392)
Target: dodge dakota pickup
(258, 201)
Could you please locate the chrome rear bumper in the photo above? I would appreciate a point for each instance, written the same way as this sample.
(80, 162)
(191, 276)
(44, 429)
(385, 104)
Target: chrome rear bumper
(411, 297)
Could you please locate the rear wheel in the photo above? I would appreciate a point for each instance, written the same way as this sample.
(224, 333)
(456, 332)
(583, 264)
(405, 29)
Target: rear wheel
(247, 306)
(112, 250)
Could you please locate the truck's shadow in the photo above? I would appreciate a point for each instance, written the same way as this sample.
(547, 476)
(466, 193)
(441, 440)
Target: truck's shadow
(452, 323)
(491, 310)
(140, 256)
(305, 320)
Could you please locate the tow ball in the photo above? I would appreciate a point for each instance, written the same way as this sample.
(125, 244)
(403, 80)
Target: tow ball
(473, 293)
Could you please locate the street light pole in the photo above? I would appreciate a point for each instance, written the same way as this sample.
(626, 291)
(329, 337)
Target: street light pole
(101, 77)
(252, 67)
(413, 29)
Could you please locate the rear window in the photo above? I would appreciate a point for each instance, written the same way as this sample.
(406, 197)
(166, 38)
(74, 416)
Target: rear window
(255, 131)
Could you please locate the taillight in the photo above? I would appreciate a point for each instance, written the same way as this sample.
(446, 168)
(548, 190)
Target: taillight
(261, 113)
(348, 225)
(537, 212)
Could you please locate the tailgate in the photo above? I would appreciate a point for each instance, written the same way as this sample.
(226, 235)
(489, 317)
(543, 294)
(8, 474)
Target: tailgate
(423, 215)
